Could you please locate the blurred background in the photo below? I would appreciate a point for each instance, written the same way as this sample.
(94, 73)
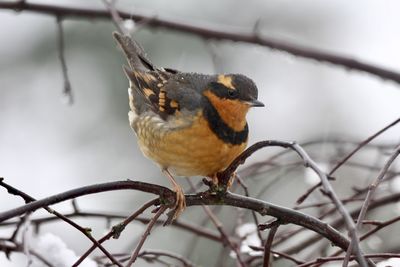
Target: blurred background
(48, 146)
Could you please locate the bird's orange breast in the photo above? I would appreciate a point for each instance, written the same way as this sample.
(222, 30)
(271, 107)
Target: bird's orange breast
(188, 151)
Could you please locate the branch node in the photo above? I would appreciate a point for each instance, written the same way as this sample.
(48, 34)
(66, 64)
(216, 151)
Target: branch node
(269, 225)
(117, 230)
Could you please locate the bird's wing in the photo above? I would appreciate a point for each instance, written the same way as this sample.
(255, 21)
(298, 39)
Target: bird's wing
(163, 91)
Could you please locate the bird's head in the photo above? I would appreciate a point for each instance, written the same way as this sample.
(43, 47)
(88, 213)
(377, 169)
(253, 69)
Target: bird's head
(232, 95)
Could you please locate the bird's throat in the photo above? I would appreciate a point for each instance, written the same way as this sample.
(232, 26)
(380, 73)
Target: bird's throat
(224, 131)
(232, 112)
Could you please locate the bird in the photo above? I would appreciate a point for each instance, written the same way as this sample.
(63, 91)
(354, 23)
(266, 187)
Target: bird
(189, 124)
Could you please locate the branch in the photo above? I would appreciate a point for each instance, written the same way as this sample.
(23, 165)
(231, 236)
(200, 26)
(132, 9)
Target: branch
(146, 233)
(197, 230)
(67, 85)
(185, 262)
(308, 162)
(285, 215)
(218, 224)
(116, 230)
(338, 223)
(208, 33)
(362, 144)
(347, 157)
(162, 191)
(371, 191)
(85, 231)
(268, 244)
(18, 247)
(329, 259)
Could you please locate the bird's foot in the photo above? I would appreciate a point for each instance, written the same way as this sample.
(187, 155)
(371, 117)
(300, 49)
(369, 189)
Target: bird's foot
(180, 200)
(231, 180)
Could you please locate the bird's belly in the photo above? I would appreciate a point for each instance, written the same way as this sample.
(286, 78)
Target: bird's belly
(190, 151)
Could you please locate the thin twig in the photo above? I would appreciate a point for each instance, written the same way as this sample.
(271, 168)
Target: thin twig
(247, 194)
(197, 230)
(184, 261)
(85, 231)
(308, 162)
(362, 144)
(379, 227)
(347, 157)
(367, 201)
(209, 33)
(67, 91)
(329, 259)
(218, 224)
(146, 233)
(268, 243)
(338, 223)
(325, 203)
(116, 19)
(278, 253)
(116, 230)
(18, 247)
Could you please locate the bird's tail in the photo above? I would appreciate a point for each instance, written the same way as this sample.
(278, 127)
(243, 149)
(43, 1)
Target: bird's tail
(137, 58)
(139, 66)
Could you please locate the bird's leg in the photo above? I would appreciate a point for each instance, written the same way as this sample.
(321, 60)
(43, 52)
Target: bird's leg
(231, 180)
(180, 202)
(216, 185)
(214, 179)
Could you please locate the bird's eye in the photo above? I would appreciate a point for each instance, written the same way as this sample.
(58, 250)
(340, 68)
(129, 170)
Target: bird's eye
(232, 93)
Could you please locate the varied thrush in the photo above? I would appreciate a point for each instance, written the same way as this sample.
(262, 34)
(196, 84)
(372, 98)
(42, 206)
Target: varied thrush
(188, 123)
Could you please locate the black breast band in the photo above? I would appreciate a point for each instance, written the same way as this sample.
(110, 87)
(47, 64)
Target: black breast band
(221, 129)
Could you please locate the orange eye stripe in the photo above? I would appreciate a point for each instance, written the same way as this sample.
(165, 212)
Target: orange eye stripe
(226, 81)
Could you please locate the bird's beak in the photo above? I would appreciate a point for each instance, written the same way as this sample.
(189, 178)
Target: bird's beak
(255, 103)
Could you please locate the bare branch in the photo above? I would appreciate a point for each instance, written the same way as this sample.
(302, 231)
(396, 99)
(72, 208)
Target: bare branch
(197, 230)
(209, 33)
(285, 215)
(85, 231)
(329, 259)
(162, 191)
(247, 194)
(308, 162)
(146, 233)
(347, 157)
(388, 199)
(18, 247)
(218, 224)
(380, 226)
(268, 243)
(67, 85)
(368, 198)
(116, 230)
(362, 144)
(185, 262)
(116, 19)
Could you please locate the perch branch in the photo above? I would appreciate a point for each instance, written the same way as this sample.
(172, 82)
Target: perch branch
(285, 215)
